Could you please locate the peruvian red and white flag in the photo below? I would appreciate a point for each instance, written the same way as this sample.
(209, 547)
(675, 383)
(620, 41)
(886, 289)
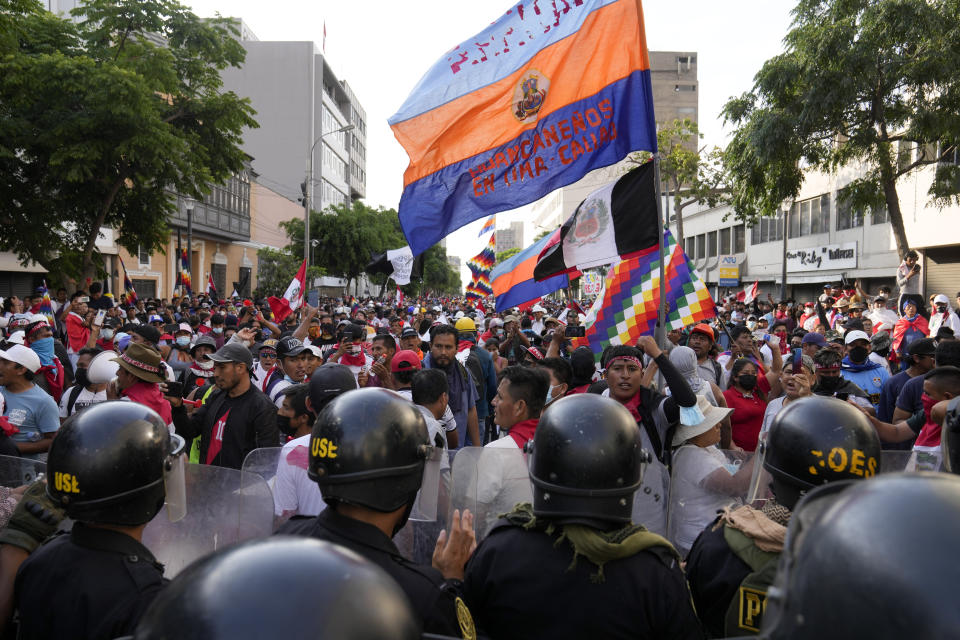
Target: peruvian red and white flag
(211, 288)
(399, 298)
(749, 293)
(293, 298)
(479, 307)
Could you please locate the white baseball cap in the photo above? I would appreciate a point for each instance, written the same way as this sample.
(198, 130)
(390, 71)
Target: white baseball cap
(941, 299)
(16, 337)
(855, 335)
(24, 356)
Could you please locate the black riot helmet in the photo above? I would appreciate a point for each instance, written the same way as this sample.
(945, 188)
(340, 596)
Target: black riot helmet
(586, 460)
(889, 540)
(369, 448)
(950, 437)
(327, 382)
(109, 462)
(281, 587)
(816, 440)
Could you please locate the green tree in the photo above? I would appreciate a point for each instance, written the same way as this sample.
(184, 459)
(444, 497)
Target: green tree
(506, 254)
(275, 269)
(861, 82)
(100, 126)
(345, 238)
(687, 174)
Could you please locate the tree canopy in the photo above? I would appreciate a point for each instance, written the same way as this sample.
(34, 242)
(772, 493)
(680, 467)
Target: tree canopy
(104, 120)
(861, 82)
(346, 238)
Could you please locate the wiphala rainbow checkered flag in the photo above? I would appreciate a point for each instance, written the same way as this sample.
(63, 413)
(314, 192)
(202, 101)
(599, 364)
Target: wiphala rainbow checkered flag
(480, 266)
(627, 307)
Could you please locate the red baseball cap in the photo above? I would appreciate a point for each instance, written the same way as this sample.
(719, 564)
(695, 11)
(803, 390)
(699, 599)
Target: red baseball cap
(705, 329)
(405, 360)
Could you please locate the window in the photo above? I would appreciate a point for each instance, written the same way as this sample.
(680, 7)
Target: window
(145, 288)
(685, 87)
(847, 216)
(739, 239)
(825, 213)
(805, 218)
(688, 60)
(219, 273)
(712, 244)
(765, 230)
(755, 234)
(691, 244)
(143, 256)
(879, 215)
(725, 241)
(701, 246)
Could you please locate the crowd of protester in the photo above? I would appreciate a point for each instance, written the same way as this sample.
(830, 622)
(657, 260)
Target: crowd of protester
(228, 377)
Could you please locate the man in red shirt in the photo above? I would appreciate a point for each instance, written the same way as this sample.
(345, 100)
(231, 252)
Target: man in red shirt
(78, 327)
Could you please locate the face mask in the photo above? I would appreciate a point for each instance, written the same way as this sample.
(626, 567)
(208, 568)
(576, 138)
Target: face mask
(313, 332)
(327, 330)
(107, 334)
(183, 341)
(353, 349)
(283, 423)
(218, 330)
(549, 396)
(206, 365)
(748, 381)
(830, 383)
(751, 324)
(44, 350)
(928, 402)
(80, 377)
(858, 354)
(942, 308)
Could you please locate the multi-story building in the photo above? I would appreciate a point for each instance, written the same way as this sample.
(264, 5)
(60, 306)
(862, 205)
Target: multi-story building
(510, 237)
(301, 108)
(828, 241)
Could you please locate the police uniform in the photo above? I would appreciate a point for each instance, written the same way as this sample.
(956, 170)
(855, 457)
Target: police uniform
(522, 584)
(436, 602)
(729, 577)
(89, 583)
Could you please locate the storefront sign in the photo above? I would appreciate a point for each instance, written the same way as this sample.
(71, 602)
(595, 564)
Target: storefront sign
(824, 258)
(728, 272)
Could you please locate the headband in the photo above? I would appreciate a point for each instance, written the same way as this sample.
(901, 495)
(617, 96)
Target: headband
(632, 359)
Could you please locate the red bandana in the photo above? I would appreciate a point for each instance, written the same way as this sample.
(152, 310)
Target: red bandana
(522, 432)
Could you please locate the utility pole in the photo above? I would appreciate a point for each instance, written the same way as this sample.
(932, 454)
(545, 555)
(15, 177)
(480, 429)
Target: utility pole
(190, 242)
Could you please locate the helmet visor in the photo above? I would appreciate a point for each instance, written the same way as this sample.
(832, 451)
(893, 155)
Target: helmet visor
(760, 479)
(174, 479)
(425, 505)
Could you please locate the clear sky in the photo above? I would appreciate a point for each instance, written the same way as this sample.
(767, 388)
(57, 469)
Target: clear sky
(383, 47)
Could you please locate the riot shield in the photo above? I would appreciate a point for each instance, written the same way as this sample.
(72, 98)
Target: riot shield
(704, 480)
(418, 538)
(650, 499)
(489, 482)
(224, 506)
(15, 471)
(263, 462)
(910, 461)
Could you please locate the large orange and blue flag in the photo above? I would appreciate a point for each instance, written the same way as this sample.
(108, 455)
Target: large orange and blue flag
(489, 225)
(513, 281)
(532, 103)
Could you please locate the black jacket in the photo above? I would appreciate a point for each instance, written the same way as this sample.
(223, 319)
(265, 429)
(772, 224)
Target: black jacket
(251, 424)
(436, 602)
(91, 583)
(524, 584)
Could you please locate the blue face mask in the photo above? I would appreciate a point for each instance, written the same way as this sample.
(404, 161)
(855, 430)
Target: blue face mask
(218, 329)
(550, 397)
(183, 341)
(44, 350)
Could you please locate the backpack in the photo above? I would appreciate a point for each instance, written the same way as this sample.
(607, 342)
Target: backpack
(72, 398)
(911, 334)
(475, 367)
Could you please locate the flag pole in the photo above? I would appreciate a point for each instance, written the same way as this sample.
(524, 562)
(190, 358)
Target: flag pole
(660, 332)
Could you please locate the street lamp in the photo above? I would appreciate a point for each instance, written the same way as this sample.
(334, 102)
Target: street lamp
(308, 183)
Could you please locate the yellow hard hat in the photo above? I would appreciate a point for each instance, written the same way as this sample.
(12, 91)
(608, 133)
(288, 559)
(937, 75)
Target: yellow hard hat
(465, 324)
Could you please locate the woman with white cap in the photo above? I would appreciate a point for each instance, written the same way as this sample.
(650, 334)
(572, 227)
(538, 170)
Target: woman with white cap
(943, 316)
(704, 480)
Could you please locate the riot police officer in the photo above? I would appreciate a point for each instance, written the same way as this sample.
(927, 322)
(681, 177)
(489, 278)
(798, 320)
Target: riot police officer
(109, 468)
(573, 565)
(813, 441)
(284, 587)
(852, 546)
(368, 450)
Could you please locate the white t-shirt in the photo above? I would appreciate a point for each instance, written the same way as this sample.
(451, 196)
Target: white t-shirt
(293, 489)
(694, 506)
(876, 357)
(773, 408)
(84, 399)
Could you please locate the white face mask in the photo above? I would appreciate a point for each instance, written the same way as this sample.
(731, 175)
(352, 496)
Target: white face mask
(353, 349)
(206, 365)
(107, 334)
